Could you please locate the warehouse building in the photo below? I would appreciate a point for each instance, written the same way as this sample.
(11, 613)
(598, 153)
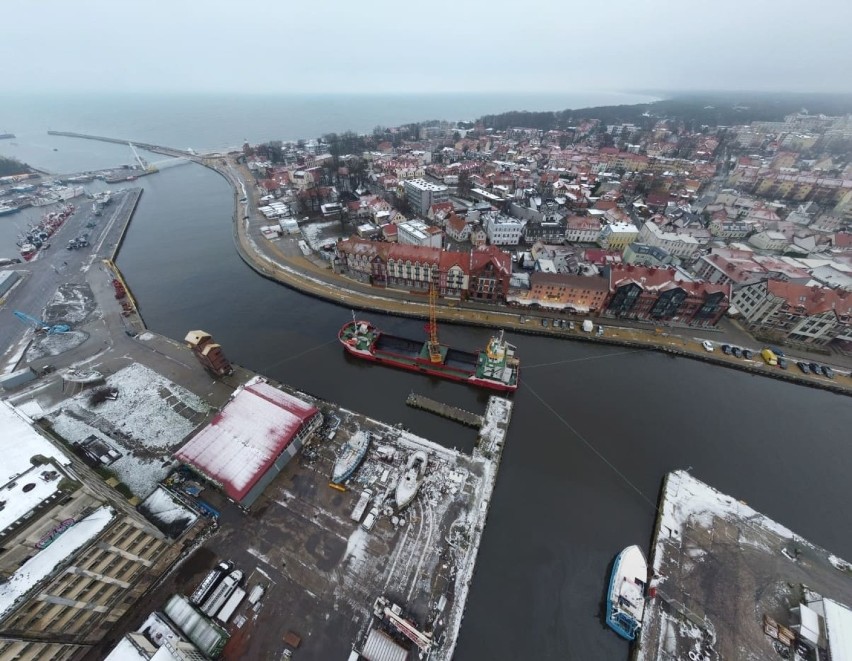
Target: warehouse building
(251, 440)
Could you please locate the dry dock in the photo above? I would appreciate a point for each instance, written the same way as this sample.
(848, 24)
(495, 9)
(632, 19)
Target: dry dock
(719, 570)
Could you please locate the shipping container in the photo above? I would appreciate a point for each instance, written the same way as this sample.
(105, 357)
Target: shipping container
(16, 379)
(255, 594)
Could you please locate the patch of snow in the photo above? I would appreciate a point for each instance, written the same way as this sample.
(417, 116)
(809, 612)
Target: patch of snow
(257, 554)
(839, 563)
(140, 474)
(141, 414)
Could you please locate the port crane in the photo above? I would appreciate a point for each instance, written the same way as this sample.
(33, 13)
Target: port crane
(42, 326)
(433, 344)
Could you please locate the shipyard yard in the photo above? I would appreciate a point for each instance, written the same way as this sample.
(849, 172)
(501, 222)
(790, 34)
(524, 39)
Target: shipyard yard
(324, 571)
(344, 563)
(725, 579)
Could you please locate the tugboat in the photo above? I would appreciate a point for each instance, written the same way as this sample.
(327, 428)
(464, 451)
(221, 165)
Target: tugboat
(625, 603)
(410, 483)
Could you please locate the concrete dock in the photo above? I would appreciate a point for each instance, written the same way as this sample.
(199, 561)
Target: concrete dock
(454, 413)
(719, 568)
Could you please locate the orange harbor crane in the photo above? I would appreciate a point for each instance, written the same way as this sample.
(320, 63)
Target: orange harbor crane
(432, 328)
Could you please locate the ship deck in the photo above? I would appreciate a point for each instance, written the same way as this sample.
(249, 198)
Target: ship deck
(405, 348)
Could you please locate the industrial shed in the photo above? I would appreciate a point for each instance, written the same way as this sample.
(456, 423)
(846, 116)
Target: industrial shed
(251, 440)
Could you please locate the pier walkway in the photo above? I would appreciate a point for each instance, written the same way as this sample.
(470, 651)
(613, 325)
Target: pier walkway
(444, 410)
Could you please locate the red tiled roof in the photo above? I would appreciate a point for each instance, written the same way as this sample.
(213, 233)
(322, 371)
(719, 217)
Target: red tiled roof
(450, 259)
(813, 300)
(456, 223)
(422, 254)
(481, 255)
(568, 280)
(650, 278)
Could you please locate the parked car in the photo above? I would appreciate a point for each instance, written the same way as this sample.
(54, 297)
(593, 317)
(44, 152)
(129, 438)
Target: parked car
(570, 325)
(708, 345)
(544, 323)
(782, 362)
(726, 349)
(827, 371)
(775, 350)
(748, 354)
(815, 368)
(804, 367)
(738, 353)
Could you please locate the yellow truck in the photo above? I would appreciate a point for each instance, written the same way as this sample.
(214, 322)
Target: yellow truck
(769, 357)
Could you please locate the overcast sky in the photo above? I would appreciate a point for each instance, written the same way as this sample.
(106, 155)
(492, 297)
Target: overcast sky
(433, 46)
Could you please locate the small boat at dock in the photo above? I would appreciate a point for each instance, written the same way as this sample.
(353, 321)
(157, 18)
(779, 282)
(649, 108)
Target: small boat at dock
(625, 604)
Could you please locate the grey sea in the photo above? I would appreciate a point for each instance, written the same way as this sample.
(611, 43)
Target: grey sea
(595, 428)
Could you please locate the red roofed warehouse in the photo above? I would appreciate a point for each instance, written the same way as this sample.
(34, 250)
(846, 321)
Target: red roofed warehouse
(251, 440)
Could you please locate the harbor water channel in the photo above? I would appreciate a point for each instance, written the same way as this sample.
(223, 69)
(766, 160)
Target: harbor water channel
(594, 430)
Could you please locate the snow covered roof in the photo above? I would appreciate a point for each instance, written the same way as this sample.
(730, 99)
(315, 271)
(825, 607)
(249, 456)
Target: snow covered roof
(246, 437)
(838, 623)
(43, 564)
(28, 491)
(381, 647)
(19, 442)
(167, 513)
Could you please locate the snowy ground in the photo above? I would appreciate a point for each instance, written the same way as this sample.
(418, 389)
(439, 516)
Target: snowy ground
(54, 344)
(151, 417)
(72, 304)
(719, 567)
(417, 554)
(322, 233)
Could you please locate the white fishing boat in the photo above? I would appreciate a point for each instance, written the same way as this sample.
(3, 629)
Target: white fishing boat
(625, 605)
(409, 484)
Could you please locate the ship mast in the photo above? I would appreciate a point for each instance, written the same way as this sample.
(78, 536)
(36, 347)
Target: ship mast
(433, 344)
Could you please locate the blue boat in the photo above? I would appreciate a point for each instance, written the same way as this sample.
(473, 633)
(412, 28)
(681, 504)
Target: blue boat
(625, 604)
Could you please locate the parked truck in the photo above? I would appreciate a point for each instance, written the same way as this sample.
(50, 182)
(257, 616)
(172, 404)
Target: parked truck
(231, 605)
(222, 593)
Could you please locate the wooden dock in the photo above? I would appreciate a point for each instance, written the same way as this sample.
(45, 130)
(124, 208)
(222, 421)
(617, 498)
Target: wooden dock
(444, 410)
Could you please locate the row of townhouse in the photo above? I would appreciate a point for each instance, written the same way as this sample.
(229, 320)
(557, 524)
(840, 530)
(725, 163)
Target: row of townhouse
(806, 315)
(627, 291)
